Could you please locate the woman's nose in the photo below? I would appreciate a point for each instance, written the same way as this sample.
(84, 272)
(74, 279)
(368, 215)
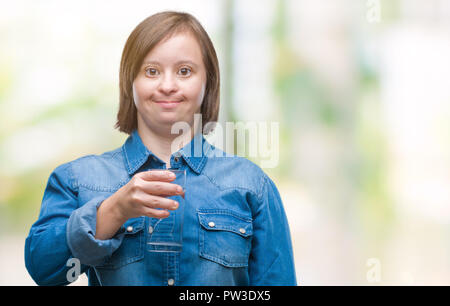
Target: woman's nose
(168, 84)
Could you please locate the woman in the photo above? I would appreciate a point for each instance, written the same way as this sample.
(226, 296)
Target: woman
(99, 209)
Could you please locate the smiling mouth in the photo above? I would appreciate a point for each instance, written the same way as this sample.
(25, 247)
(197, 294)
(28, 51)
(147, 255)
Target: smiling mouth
(167, 102)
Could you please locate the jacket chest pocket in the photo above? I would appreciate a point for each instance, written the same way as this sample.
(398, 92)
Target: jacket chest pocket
(225, 237)
(132, 247)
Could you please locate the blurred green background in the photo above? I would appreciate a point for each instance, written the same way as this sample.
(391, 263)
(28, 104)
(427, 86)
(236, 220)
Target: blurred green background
(359, 88)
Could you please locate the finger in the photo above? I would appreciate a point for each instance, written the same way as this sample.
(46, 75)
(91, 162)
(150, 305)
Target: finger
(157, 175)
(152, 201)
(156, 213)
(162, 188)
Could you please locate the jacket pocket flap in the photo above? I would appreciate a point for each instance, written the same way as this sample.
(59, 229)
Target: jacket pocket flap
(134, 225)
(226, 221)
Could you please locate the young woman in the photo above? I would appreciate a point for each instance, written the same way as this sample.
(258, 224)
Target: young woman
(100, 209)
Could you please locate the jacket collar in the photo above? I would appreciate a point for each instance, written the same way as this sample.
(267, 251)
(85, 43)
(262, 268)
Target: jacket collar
(136, 153)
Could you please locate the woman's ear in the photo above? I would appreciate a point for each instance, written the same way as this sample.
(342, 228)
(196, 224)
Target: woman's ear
(204, 93)
(133, 94)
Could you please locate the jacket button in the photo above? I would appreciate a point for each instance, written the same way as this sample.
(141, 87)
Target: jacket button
(150, 229)
(170, 282)
(211, 224)
(129, 229)
(176, 159)
(242, 230)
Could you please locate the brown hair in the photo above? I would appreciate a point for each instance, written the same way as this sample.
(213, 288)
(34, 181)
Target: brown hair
(142, 40)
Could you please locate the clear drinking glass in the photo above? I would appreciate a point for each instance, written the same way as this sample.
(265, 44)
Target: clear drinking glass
(166, 235)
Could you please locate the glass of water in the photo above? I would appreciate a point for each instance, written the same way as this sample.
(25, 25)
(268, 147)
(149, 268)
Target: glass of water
(166, 235)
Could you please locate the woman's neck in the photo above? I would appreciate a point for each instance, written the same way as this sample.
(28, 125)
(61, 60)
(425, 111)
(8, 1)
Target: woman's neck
(163, 144)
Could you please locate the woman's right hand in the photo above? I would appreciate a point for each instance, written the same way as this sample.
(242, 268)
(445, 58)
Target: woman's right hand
(144, 195)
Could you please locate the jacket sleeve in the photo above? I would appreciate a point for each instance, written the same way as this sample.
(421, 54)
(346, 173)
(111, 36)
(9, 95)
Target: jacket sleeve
(271, 261)
(65, 229)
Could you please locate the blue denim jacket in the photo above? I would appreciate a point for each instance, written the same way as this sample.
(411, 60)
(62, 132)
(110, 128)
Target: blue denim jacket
(230, 191)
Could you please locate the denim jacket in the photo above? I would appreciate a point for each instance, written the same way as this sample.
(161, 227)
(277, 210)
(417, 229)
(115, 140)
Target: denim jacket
(250, 243)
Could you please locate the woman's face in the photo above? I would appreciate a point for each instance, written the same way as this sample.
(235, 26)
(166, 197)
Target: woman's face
(171, 82)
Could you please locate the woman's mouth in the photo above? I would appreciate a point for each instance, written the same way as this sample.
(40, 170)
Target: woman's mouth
(168, 104)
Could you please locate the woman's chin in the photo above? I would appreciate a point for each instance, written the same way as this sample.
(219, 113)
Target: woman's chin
(163, 119)
(169, 119)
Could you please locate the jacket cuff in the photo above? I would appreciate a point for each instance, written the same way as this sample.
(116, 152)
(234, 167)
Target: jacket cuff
(81, 235)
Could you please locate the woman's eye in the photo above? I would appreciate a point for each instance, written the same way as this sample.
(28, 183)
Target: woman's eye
(185, 71)
(154, 72)
(151, 71)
